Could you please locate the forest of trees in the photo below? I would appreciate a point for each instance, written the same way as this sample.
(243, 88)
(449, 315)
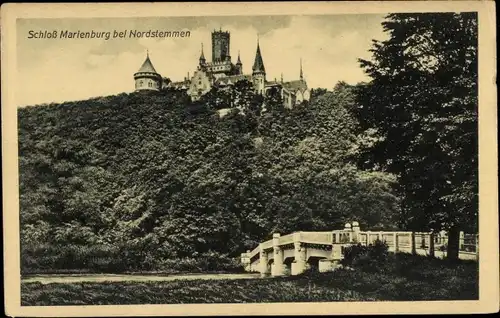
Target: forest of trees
(131, 181)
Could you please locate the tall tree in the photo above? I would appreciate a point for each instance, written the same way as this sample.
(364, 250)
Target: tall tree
(421, 109)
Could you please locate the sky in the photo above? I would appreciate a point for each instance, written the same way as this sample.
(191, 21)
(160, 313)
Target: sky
(57, 70)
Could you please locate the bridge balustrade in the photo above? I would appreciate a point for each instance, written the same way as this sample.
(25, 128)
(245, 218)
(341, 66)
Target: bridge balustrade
(316, 237)
(273, 256)
(287, 239)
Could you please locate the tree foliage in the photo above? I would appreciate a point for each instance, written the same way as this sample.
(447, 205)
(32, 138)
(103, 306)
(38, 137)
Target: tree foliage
(419, 115)
(147, 177)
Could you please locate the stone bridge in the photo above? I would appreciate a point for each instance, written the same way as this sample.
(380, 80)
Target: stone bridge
(296, 252)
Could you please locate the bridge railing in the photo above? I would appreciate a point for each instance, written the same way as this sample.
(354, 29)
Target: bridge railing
(267, 244)
(287, 239)
(316, 237)
(254, 252)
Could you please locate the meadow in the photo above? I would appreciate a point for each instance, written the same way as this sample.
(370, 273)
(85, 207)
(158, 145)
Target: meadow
(403, 278)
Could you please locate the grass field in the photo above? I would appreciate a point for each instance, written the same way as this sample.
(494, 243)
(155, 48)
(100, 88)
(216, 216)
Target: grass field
(408, 278)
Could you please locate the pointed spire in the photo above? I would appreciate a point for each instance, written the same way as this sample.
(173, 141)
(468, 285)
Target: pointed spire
(239, 60)
(202, 55)
(147, 66)
(301, 73)
(258, 65)
(281, 77)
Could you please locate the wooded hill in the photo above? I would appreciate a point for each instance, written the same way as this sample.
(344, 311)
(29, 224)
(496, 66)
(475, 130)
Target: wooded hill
(147, 177)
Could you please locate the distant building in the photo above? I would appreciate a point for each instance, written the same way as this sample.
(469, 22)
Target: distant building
(221, 72)
(146, 78)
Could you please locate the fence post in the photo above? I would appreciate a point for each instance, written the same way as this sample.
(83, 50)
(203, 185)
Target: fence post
(461, 242)
(395, 239)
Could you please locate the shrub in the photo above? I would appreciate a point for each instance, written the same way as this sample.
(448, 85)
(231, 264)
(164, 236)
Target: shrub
(372, 258)
(60, 258)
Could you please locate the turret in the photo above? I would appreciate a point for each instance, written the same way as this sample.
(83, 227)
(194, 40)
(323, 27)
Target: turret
(259, 71)
(239, 65)
(202, 56)
(146, 78)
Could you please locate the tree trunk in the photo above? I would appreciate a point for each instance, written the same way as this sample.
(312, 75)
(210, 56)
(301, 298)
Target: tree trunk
(453, 243)
(413, 247)
(431, 245)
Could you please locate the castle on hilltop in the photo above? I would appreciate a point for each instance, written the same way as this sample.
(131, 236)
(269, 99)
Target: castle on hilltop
(221, 72)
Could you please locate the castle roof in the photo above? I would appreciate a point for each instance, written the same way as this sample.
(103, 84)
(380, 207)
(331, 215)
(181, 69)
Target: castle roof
(232, 79)
(294, 86)
(258, 64)
(147, 66)
(272, 83)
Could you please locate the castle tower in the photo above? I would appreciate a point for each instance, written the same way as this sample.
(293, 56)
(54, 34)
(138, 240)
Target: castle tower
(202, 56)
(220, 46)
(259, 71)
(239, 65)
(146, 78)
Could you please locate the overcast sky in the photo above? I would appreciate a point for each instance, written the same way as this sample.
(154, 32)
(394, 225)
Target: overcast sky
(56, 70)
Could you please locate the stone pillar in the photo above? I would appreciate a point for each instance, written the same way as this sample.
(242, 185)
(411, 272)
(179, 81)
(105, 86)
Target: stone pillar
(336, 252)
(355, 231)
(299, 263)
(245, 261)
(368, 238)
(348, 233)
(263, 262)
(326, 265)
(277, 266)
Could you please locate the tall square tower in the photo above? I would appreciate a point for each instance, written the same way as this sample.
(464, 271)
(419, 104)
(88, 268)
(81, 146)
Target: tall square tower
(220, 46)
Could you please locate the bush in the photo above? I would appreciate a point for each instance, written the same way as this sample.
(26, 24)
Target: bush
(372, 258)
(77, 258)
(108, 259)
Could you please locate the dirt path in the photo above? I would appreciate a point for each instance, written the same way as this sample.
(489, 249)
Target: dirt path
(49, 279)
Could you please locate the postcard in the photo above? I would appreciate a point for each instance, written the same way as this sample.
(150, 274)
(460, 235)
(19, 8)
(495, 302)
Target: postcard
(263, 158)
